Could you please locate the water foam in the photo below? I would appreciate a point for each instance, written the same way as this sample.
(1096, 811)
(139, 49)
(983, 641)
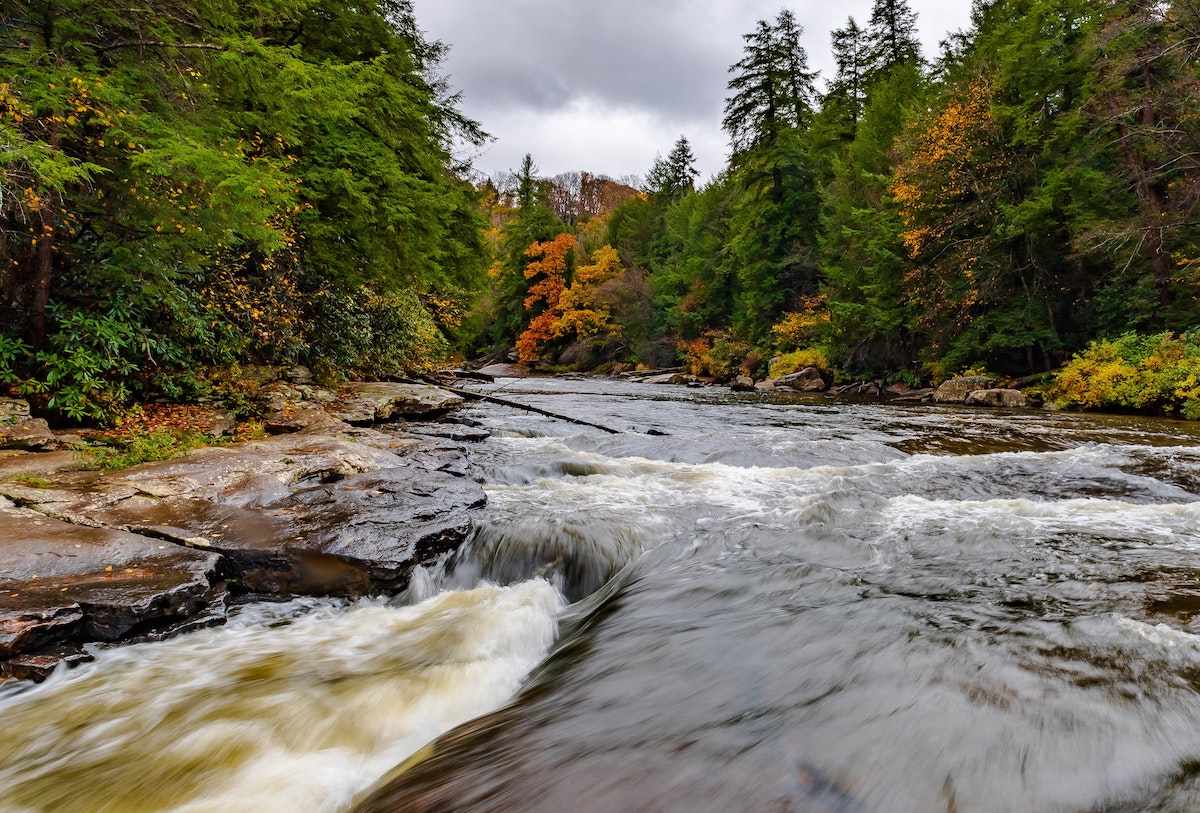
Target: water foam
(256, 717)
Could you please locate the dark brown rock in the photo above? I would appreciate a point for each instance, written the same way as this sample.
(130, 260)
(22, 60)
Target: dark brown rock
(37, 666)
(62, 583)
(743, 383)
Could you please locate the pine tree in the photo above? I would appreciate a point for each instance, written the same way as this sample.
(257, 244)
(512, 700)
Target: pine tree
(893, 36)
(674, 176)
(774, 217)
(772, 87)
(852, 57)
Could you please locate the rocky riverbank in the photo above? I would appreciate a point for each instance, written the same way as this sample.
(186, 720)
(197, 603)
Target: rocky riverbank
(344, 500)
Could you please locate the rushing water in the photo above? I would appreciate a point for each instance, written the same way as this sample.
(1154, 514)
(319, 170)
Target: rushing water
(779, 605)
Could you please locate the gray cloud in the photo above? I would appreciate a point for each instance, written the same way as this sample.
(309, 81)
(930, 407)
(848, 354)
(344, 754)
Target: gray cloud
(559, 77)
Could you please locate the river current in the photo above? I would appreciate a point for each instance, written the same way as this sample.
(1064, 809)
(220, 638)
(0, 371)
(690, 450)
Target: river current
(777, 604)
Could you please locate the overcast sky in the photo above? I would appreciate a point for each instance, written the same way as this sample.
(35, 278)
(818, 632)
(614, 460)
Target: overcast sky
(605, 85)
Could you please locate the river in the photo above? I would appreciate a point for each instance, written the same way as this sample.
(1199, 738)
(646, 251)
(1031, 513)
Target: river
(779, 604)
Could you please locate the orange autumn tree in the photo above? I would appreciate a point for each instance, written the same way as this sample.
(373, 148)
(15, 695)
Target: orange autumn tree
(549, 264)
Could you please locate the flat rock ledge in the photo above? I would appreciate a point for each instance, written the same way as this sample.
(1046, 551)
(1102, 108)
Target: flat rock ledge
(380, 401)
(146, 552)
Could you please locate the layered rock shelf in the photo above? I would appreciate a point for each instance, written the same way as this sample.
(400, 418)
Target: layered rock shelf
(88, 557)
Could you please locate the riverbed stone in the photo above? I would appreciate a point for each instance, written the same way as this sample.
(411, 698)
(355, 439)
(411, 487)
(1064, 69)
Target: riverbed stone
(380, 401)
(956, 390)
(743, 383)
(997, 398)
(807, 380)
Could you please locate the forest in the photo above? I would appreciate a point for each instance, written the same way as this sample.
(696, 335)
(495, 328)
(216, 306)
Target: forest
(192, 186)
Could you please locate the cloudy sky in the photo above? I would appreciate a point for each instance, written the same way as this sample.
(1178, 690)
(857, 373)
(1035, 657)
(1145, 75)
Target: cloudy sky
(605, 85)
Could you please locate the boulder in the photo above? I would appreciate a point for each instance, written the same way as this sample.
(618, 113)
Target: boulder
(13, 410)
(766, 385)
(956, 390)
(223, 422)
(299, 374)
(309, 419)
(380, 401)
(807, 380)
(743, 383)
(997, 398)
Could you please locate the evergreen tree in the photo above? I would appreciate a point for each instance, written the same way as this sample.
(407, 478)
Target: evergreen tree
(173, 159)
(772, 87)
(774, 219)
(676, 175)
(893, 36)
(851, 54)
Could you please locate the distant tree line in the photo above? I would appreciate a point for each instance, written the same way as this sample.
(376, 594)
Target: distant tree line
(206, 184)
(1029, 191)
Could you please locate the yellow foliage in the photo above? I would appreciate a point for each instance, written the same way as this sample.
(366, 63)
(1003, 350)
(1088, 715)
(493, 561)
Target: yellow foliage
(802, 327)
(1158, 373)
(799, 359)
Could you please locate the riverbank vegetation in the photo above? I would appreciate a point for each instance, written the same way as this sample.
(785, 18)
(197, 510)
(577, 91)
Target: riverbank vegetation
(186, 186)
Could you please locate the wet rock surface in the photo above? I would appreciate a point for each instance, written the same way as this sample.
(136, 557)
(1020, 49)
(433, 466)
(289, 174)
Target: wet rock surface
(381, 401)
(62, 583)
(151, 550)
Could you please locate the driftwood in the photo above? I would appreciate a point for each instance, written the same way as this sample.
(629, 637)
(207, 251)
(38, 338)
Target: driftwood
(492, 399)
